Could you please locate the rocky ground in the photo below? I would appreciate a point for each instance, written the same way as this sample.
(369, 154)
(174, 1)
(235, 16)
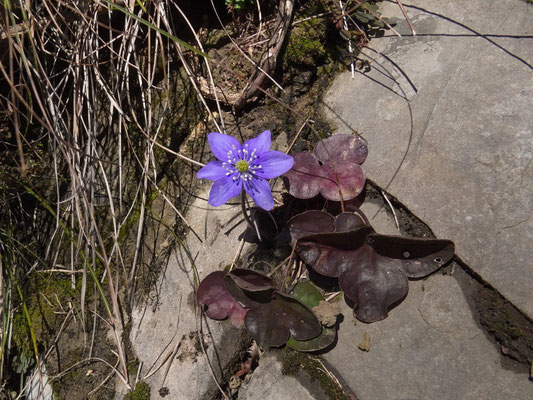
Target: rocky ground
(447, 116)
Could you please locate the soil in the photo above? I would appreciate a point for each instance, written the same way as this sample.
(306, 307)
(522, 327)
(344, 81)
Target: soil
(73, 363)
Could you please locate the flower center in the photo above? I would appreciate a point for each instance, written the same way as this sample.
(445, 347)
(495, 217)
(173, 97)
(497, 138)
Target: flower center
(242, 166)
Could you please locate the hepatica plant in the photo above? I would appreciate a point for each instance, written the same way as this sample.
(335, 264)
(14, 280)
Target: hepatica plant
(243, 168)
(371, 270)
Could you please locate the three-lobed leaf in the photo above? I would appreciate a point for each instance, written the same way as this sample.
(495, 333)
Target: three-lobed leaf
(249, 299)
(333, 169)
(271, 324)
(309, 295)
(372, 268)
(212, 293)
(249, 287)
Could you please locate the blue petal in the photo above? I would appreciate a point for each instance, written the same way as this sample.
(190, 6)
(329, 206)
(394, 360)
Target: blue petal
(224, 189)
(212, 171)
(261, 143)
(273, 163)
(259, 190)
(221, 144)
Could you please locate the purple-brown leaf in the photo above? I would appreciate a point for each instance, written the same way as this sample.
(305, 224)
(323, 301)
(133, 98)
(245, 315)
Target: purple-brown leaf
(318, 222)
(373, 285)
(310, 222)
(333, 169)
(220, 304)
(342, 148)
(271, 324)
(249, 287)
(418, 257)
(331, 254)
(372, 268)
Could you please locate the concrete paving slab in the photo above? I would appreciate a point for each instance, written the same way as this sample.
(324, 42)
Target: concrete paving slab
(429, 347)
(449, 122)
(171, 321)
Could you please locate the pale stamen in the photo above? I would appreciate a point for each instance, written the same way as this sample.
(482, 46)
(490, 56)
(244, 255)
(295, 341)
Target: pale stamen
(242, 163)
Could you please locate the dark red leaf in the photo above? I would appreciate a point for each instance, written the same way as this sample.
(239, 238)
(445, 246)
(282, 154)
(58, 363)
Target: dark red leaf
(332, 169)
(271, 324)
(418, 257)
(372, 268)
(249, 287)
(220, 304)
(342, 148)
(306, 176)
(374, 285)
(330, 254)
(310, 222)
(347, 221)
(350, 177)
(318, 222)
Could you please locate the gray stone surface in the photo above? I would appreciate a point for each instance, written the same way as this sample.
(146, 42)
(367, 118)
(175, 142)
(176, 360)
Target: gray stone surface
(464, 167)
(268, 382)
(171, 321)
(429, 347)
(37, 389)
(458, 152)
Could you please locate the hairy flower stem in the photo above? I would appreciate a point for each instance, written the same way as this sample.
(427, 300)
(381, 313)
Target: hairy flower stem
(244, 212)
(251, 224)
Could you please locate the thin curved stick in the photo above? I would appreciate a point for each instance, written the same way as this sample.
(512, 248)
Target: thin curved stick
(199, 332)
(378, 17)
(241, 51)
(406, 17)
(211, 80)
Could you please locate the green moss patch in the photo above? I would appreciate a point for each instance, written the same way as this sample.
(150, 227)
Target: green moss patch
(141, 392)
(295, 362)
(511, 329)
(45, 295)
(306, 43)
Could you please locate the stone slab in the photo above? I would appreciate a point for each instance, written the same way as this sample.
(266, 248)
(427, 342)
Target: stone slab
(458, 150)
(429, 347)
(170, 320)
(37, 389)
(268, 382)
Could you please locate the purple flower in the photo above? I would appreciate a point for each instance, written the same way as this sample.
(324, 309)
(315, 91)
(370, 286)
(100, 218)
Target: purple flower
(243, 167)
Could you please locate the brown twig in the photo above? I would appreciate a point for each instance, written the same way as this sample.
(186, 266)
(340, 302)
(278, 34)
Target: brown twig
(378, 17)
(268, 65)
(406, 17)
